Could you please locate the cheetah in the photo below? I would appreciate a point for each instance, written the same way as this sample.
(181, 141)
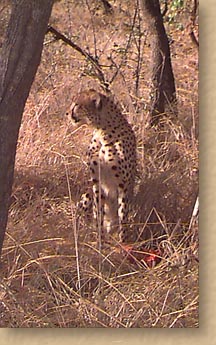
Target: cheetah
(111, 158)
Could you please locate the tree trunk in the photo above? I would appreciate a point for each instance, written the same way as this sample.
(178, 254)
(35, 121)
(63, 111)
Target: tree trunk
(20, 57)
(163, 91)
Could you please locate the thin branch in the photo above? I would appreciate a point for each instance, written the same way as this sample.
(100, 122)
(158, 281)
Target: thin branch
(125, 49)
(139, 58)
(93, 29)
(59, 36)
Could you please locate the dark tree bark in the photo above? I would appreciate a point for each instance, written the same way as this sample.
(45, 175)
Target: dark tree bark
(163, 91)
(20, 57)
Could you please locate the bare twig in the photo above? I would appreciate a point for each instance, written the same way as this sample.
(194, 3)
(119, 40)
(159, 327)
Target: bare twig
(125, 50)
(139, 58)
(93, 30)
(59, 36)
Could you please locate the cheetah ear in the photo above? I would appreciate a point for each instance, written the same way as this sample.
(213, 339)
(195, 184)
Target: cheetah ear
(97, 101)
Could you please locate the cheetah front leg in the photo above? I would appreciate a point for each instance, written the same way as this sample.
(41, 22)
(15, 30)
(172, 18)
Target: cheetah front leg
(98, 194)
(122, 214)
(98, 208)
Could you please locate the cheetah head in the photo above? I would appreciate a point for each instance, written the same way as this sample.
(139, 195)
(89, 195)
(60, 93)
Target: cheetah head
(86, 108)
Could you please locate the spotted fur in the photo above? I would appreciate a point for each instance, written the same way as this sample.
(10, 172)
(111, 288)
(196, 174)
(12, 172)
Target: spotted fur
(112, 158)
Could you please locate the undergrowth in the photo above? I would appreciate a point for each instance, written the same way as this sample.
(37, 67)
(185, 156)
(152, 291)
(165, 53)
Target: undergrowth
(53, 273)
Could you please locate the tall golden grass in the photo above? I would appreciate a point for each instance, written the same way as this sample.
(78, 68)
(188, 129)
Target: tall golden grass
(53, 273)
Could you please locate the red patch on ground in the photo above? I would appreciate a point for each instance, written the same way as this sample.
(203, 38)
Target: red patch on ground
(150, 257)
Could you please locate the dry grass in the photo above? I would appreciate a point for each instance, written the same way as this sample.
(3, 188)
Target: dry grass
(54, 275)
